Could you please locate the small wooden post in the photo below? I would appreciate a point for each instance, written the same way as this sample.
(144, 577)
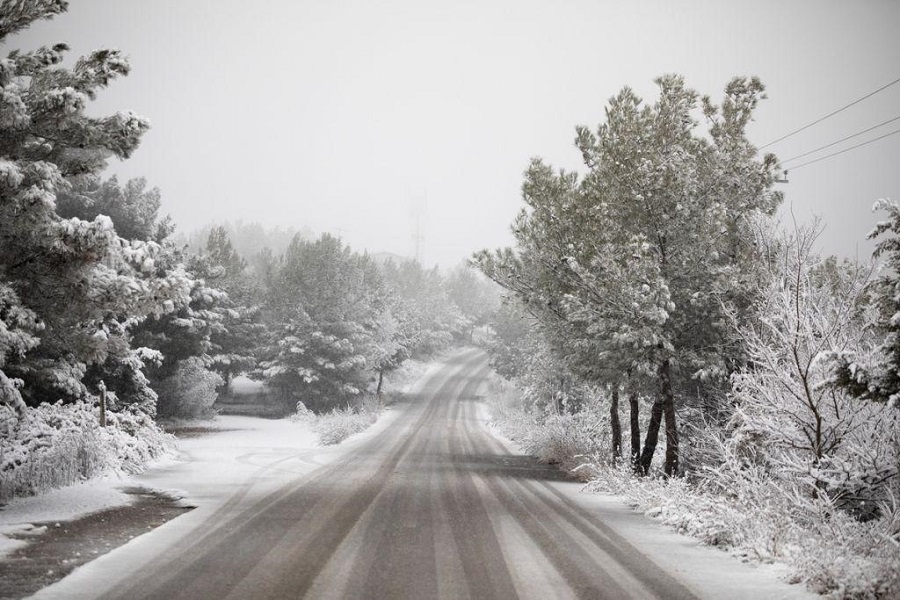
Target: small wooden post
(102, 387)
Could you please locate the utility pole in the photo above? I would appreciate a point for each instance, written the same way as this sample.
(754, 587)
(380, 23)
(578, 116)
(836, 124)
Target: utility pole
(418, 238)
(418, 209)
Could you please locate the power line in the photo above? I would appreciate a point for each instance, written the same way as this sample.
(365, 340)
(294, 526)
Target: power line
(881, 137)
(849, 137)
(831, 114)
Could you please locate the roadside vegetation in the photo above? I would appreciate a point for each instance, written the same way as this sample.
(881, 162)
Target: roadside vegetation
(666, 340)
(337, 425)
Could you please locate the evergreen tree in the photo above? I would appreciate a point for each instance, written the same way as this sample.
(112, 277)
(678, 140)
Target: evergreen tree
(70, 287)
(875, 375)
(428, 318)
(634, 267)
(235, 345)
(133, 209)
(476, 298)
(322, 309)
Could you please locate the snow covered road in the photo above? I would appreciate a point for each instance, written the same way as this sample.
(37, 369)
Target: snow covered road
(427, 505)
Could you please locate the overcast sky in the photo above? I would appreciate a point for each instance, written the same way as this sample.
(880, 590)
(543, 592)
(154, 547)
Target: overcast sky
(352, 116)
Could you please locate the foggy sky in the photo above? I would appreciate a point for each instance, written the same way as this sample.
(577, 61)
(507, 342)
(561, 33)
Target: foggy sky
(351, 117)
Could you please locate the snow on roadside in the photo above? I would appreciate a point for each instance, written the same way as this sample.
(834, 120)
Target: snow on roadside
(232, 452)
(18, 516)
(65, 504)
(223, 474)
(207, 470)
(708, 572)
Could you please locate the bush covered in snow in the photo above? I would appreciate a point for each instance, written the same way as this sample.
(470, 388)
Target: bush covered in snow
(748, 513)
(339, 424)
(561, 438)
(737, 506)
(336, 426)
(55, 445)
(190, 392)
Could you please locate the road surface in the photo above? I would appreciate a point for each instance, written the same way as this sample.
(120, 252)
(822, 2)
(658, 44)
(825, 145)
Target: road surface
(431, 507)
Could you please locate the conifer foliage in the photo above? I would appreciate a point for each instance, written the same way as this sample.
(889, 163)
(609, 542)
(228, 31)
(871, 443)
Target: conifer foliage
(69, 287)
(632, 267)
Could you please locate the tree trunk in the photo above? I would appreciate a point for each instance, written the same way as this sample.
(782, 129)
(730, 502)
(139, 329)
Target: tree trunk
(380, 381)
(668, 398)
(635, 431)
(225, 389)
(656, 411)
(615, 425)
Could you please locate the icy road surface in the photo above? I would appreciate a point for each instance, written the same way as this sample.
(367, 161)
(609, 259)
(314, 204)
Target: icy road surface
(430, 506)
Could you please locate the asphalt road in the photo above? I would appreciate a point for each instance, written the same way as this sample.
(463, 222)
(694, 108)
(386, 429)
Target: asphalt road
(432, 507)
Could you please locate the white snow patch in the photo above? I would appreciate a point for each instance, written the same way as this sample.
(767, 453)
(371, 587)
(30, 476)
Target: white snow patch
(64, 504)
(223, 474)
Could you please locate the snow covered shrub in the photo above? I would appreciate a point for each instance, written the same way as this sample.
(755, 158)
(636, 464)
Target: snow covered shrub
(190, 392)
(336, 426)
(845, 558)
(566, 439)
(55, 445)
(791, 420)
(303, 414)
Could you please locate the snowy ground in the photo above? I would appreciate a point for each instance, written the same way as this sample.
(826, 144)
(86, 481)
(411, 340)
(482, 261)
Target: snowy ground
(241, 461)
(240, 456)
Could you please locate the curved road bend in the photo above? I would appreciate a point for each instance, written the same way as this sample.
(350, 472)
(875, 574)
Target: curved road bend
(432, 507)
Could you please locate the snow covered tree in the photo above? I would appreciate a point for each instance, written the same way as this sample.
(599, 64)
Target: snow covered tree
(189, 391)
(388, 346)
(875, 376)
(791, 420)
(235, 344)
(323, 306)
(476, 298)
(511, 324)
(588, 317)
(18, 334)
(636, 262)
(428, 318)
(184, 333)
(133, 209)
(692, 203)
(74, 283)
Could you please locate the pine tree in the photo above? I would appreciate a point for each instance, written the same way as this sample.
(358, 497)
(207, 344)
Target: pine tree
(634, 266)
(70, 286)
(235, 345)
(428, 318)
(875, 375)
(323, 307)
